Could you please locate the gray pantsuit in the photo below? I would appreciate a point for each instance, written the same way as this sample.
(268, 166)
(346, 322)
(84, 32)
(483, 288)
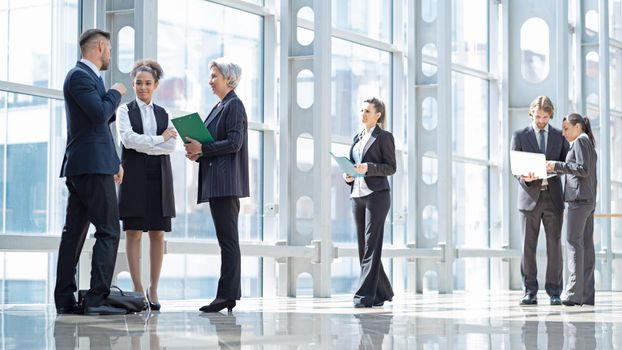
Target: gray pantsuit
(581, 256)
(580, 193)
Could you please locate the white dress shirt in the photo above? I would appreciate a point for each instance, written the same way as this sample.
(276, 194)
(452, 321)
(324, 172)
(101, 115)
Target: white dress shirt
(148, 142)
(92, 66)
(545, 182)
(359, 188)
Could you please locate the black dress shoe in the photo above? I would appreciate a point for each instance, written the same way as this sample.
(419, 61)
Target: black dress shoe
(153, 306)
(569, 302)
(361, 305)
(68, 310)
(529, 299)
(555, 300)
(104, 310)
(218, 304)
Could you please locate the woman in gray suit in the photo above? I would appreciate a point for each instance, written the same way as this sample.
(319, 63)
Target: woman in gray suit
(223, 176)
(580, 193)
(373, 152)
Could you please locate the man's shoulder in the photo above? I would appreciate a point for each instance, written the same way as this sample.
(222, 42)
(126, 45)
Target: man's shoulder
(522, 131)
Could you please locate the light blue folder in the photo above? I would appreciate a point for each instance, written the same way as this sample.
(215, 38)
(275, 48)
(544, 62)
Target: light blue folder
(346, 165)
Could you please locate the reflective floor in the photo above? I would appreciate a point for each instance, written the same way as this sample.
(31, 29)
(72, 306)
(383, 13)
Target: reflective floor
(457, 321)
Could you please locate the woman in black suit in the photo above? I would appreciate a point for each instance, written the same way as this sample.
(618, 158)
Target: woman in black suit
(223, 176)
(580, 193)
(146, 201)
(373, 153)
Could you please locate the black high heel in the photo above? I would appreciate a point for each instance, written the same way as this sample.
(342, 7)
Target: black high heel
(153, 306)
(219, 304)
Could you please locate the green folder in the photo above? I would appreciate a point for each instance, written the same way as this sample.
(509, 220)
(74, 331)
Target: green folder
(346, 165)
(192, 126)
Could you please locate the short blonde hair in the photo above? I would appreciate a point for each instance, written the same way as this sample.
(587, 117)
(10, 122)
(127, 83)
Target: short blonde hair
(541, 103)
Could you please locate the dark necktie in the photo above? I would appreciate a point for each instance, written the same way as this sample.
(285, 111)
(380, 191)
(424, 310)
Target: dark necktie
(542, 142)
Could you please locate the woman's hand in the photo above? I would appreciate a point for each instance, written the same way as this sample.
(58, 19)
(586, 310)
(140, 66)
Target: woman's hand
(193, 148)
(361, 168)
(168, 133)
(550, 166)
(347, 177)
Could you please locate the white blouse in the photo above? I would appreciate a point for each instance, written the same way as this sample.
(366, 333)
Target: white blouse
(148, 142)
(359, 188)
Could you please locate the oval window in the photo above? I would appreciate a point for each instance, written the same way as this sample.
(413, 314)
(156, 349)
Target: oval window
(534, 48)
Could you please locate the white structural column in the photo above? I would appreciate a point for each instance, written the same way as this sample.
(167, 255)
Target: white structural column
(444, 147)
(302, 188)
(431, 126)
(413, 216)
(524, 81)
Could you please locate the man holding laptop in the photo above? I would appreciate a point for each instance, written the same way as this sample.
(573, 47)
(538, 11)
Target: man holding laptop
(540, 200)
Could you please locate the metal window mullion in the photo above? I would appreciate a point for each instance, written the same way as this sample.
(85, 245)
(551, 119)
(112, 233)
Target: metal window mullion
(269, 164)
(605, 134)
(506, 176)
(246, 6)
(30, 90)
(496, 237)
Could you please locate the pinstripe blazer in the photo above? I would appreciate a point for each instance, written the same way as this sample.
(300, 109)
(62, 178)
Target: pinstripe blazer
(223, 168)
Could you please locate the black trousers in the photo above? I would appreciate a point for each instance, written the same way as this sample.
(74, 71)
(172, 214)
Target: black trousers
(92, 199)
(225, 212)
(552, 219)
(370, 213)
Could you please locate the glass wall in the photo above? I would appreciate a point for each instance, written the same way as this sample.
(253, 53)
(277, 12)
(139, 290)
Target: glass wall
(369, 57)
(470, 140)
(187, 43)
(32, 197)
(359, 72)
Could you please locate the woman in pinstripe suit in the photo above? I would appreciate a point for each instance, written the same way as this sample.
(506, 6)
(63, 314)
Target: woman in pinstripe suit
(223, 176)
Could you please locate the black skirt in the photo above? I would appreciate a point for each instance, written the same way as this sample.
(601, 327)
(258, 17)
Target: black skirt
(153, 219)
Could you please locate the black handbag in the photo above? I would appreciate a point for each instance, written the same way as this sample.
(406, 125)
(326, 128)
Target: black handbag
(130, 301)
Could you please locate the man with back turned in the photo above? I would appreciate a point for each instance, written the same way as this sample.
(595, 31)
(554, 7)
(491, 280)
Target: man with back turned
(91, 168)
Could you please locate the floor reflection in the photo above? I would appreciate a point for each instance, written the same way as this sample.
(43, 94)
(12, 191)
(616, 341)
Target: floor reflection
(228, 331)
(413, 322)
(113, 332)
(373, 329)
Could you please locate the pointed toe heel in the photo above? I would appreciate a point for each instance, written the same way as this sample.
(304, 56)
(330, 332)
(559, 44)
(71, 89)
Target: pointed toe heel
(153, 306)
(216, 306)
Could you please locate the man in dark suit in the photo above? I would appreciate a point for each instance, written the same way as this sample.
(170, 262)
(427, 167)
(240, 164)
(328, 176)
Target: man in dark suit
(223, 176)
(91, 167)
(540, 200)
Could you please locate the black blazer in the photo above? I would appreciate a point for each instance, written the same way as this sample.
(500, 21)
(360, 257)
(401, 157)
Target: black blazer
(133, 190)
(379, 154)
(580, 167)
(556, 149)
(90, 109)
(223, 168)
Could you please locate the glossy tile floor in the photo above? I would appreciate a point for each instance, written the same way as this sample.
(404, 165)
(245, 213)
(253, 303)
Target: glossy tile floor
(457, 321)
